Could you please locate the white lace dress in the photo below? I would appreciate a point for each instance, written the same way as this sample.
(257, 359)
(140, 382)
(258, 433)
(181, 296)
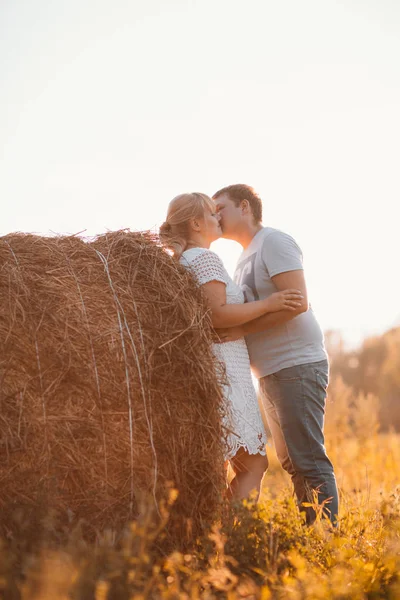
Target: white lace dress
(244, 421)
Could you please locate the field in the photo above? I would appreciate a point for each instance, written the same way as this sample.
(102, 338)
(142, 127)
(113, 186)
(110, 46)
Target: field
(257, 551)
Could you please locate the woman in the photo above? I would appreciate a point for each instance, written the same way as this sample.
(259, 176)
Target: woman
(192, 224)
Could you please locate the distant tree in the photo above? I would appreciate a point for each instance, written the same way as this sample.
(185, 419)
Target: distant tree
(374, 368)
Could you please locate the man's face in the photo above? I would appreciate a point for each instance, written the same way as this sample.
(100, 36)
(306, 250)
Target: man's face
(230, 214)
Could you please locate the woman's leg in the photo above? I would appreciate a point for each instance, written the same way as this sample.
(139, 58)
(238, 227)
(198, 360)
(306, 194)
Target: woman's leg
(249, 470)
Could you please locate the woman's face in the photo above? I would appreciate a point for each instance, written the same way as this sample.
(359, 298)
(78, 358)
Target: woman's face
(210, 225)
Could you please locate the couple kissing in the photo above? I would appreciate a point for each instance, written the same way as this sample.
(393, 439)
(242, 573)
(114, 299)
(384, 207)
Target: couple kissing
(264, 323)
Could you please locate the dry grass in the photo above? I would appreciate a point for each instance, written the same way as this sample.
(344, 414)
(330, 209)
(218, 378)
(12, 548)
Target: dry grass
(255, 552)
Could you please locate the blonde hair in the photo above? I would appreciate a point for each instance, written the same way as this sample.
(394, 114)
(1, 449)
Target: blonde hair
(174, 232)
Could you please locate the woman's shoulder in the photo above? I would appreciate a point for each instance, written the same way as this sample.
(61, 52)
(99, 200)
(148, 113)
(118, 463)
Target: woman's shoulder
(205, 264)
(188, 256)
(192, 254)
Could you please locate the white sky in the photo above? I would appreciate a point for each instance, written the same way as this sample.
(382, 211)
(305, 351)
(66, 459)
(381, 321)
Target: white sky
(109, 109)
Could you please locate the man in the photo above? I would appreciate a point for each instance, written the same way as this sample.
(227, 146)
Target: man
(286, 348)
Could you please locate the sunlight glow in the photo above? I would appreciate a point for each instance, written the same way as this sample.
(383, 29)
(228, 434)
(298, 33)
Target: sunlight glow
(108, 113)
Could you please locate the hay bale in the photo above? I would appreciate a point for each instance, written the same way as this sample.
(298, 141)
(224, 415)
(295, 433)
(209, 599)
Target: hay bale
(107, 381)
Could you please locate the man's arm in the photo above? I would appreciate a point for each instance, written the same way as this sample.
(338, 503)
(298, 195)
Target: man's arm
(290, 279)
(294, 279)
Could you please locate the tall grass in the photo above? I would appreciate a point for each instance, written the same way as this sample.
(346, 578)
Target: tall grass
(257, 551)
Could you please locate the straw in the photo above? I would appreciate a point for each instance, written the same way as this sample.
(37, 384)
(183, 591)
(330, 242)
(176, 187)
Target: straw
(109, 389)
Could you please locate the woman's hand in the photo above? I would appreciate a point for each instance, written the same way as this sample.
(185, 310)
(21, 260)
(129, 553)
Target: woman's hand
(285, 300)
(229, 334)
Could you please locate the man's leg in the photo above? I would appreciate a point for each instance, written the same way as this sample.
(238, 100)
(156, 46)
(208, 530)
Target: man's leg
(281, 449)
(295, 403)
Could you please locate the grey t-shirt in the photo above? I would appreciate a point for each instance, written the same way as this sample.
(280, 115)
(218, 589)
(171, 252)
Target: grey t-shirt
(296, 342)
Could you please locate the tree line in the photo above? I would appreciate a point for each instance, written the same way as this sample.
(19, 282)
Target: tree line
(373, 368)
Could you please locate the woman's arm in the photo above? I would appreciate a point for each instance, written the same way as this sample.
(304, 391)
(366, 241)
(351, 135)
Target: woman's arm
(267, 321)
(231, 315)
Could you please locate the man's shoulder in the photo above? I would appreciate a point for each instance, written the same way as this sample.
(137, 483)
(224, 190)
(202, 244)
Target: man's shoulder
(267, 232)
(268, 242)
(276, 238)
(266, 235)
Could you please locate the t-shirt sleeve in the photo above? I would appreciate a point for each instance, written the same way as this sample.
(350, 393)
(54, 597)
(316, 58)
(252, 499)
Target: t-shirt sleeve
(207, 266)
(280, 254)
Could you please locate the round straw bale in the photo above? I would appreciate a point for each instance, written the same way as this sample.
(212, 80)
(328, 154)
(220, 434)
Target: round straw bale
(108, 384)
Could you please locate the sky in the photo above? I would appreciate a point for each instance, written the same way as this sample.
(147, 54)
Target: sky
(110, 109)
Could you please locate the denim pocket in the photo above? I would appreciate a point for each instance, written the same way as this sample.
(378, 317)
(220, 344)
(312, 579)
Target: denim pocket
(288, 374)
(322, 378)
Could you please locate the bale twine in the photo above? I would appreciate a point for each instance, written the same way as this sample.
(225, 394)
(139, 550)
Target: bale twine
(108, 384)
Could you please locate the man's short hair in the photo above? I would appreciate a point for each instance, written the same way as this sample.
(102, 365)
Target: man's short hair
(239, 192)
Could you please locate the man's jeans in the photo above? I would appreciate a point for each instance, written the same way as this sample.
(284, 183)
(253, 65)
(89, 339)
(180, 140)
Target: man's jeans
(294, 399)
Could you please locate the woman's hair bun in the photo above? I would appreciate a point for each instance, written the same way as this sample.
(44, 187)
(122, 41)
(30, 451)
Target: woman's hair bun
(165, 227)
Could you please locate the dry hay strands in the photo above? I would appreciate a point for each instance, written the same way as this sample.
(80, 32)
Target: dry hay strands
(108, 381)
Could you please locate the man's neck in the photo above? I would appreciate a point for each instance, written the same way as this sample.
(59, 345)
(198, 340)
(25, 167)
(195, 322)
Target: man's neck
(247, 235)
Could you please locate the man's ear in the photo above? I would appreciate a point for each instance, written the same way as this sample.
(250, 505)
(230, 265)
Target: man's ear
(245, 206)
